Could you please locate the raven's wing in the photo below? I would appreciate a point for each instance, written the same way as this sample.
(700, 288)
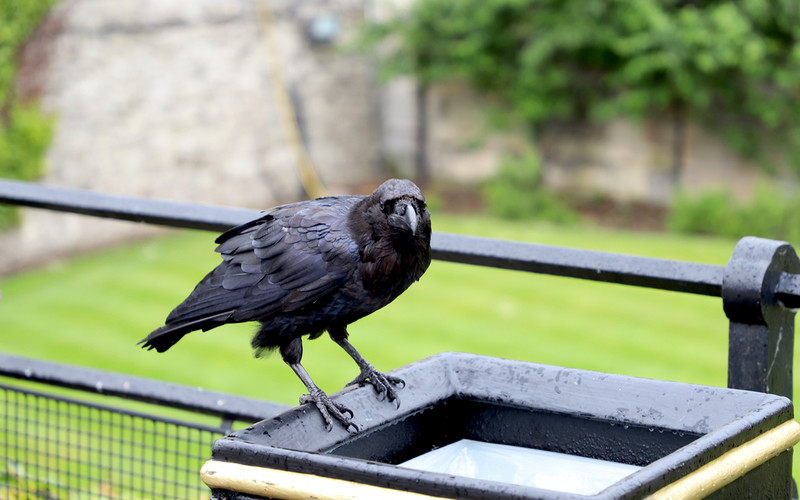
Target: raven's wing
(284, 261)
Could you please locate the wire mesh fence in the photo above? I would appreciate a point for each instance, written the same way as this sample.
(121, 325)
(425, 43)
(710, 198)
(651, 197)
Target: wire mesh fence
(55, 447)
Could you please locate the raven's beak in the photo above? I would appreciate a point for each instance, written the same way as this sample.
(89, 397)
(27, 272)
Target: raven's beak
(405, 216)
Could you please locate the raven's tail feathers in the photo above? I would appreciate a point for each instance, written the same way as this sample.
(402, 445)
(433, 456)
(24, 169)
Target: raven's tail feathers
(162, 339)
(165, 337)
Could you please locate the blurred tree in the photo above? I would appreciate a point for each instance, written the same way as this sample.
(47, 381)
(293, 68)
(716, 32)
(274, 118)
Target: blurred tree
(24, 132)
(732, 65)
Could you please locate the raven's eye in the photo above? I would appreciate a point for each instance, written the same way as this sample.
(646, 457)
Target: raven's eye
(388, 206)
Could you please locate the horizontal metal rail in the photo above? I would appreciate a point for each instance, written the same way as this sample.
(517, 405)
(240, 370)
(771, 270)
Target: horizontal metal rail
(664, 274)
(111, 409)
(787, 290)
(227, 406)
(159, 212)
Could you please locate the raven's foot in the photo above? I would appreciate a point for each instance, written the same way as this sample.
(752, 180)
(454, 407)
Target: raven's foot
(330, 409)
(382, 383)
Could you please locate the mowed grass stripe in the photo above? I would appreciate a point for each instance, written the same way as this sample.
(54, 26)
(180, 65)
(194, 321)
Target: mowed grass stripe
(99, 306)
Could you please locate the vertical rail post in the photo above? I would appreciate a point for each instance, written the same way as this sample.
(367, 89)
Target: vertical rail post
(761, 332)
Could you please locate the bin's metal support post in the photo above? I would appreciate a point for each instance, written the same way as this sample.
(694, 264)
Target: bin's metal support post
(757, 296)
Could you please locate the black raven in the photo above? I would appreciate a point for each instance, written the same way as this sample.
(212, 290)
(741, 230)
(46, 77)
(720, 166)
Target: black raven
(312, 266)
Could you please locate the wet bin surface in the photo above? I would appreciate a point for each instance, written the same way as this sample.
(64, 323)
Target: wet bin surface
(668, 428)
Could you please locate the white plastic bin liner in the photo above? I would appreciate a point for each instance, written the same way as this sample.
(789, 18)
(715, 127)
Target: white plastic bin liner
(522, 466)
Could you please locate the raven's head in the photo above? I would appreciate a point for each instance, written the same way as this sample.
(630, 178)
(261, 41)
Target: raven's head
(394, 217)
(393, 229)
(403, 206)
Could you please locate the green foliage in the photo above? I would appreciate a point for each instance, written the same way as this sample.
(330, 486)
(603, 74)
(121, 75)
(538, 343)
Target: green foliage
(23, 143)
(708, 213)
(24, 131)
(733, 65)
(17, 22)
(516, 192)
(770, 214)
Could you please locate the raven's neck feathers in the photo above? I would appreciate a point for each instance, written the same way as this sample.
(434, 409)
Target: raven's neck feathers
(390, 260)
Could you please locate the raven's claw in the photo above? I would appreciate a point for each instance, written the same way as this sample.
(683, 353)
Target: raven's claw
(330, 408)
(381, 382)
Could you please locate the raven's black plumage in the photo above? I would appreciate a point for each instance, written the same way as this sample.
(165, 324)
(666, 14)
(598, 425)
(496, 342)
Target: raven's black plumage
(308, 267)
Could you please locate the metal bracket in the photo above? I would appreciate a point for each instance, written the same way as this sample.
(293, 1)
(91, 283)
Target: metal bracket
(761, 332)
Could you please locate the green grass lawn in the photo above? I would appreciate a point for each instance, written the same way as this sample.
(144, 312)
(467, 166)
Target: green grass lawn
(92, 310)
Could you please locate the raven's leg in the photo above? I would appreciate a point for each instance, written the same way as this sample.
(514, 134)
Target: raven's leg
(291, 353)
(369, 375)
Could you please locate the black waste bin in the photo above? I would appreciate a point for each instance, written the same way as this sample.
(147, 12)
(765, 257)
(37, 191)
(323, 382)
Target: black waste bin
(665, 439)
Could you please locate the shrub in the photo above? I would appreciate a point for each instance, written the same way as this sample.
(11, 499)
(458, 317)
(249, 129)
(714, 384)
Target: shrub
(770, 214)
(24, 132)
(516, 192)
(23, 143)
(711, 212)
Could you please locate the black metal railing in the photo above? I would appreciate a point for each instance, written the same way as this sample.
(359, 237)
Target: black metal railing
(226, 407)
(57, 445)
(759, 287)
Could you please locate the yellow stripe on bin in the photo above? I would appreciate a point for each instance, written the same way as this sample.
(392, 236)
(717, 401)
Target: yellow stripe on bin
(285, 485)
(732, 465)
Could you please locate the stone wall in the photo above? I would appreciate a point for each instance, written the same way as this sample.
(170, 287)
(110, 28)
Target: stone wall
(172, 99)
(628, 162)
(622, 160)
